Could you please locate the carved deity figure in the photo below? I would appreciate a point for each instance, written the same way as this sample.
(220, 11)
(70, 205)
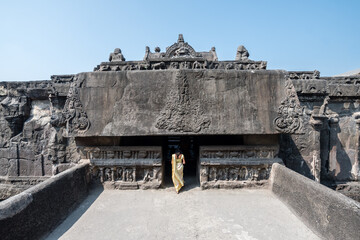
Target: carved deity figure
(116, 56)
(182, 52)
(242, 54)
(213, 52)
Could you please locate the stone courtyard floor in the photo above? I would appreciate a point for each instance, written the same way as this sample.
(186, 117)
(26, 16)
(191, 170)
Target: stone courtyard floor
(191, 214)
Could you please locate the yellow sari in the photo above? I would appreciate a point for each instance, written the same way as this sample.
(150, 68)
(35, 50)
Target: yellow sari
(177, 171)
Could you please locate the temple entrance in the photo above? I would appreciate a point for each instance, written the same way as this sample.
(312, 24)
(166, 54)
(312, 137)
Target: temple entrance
(190, 149)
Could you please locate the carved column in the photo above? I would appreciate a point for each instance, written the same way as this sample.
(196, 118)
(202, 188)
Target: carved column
(334, 129)
(356, 167)
(101, 174)
(317, 122)
(113, 172)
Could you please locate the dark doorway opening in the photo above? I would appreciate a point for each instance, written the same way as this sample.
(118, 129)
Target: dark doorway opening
(190, 149)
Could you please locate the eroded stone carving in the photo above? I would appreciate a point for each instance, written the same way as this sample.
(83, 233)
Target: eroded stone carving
(126, 167)
(236, 166)
(242, 54)
(116, 56)
(180, 55)
(180, 49)
(181, 112)
(303, 75)
(290, 112)
(74, 115)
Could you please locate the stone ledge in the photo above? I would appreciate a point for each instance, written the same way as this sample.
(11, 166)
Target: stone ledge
(48, 202)
(328, 213)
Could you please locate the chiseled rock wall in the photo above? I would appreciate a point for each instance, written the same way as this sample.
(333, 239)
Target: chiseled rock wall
(27, 135)
(328, 148)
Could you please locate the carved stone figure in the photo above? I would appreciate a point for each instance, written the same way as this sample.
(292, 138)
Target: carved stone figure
(242, 54)
(148, 175)
(120, 174)
(116, 56)
(213, 53)
(107, 174)
(290, 112)
(233, 173)
(73, 112)
(182, 113)
(212, 174)
(128, 175)
(197, 65)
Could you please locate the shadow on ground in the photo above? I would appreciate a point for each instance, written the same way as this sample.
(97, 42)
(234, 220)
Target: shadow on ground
(74, 216)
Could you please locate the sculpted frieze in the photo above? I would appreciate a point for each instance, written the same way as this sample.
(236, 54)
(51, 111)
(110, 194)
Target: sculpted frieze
(125, 167)
(236, 166)
(74, 115)
(289, 112)
(182, 113)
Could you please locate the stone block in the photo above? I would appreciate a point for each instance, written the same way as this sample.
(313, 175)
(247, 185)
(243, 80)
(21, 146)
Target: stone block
(4, 166)
(38, 166)
(26, 167)
(13, 168)
(26, 152)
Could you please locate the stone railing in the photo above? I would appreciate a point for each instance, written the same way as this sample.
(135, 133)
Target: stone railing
(126, 167)
(236, 166)
(323, 210)
(37, 210)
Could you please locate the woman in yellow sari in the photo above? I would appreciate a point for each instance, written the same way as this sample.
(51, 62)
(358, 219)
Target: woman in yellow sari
(177, 163)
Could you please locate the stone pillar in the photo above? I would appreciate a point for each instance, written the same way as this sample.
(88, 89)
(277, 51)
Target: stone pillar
(317, 122)
(113, 172)
(333, 142)
(101, 174)
(355, 171)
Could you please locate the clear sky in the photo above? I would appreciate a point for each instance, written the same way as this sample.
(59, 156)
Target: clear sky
(42, 38)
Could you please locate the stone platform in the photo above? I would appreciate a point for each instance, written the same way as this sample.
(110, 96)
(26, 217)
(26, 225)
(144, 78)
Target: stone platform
(191, 214)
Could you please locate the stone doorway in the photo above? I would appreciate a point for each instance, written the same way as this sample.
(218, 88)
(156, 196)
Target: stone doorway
(190, 149)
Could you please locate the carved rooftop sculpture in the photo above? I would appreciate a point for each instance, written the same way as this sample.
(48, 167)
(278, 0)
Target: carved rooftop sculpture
(181, 55)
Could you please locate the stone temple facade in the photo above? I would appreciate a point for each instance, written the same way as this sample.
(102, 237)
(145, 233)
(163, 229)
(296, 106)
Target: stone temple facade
(232, 120)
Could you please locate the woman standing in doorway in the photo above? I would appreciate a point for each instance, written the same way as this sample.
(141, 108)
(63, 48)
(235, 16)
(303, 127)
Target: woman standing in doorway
(177, 164)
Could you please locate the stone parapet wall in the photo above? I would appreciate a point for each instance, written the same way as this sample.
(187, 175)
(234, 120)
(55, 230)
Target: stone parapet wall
(126, 167)
(332, 215)
(37, 210)
(236, 166)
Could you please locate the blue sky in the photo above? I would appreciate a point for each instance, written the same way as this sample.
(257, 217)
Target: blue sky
(42, 38)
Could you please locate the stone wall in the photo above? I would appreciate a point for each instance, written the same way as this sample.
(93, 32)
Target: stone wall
(37, 210)
(328, 148)
(316, 118)
(25, 124)
(328, 213)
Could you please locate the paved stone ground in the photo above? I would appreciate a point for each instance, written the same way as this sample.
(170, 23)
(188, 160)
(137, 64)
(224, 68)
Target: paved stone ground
(191, 214)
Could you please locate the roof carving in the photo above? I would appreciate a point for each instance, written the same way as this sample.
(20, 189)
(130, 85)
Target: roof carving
(180, 55)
